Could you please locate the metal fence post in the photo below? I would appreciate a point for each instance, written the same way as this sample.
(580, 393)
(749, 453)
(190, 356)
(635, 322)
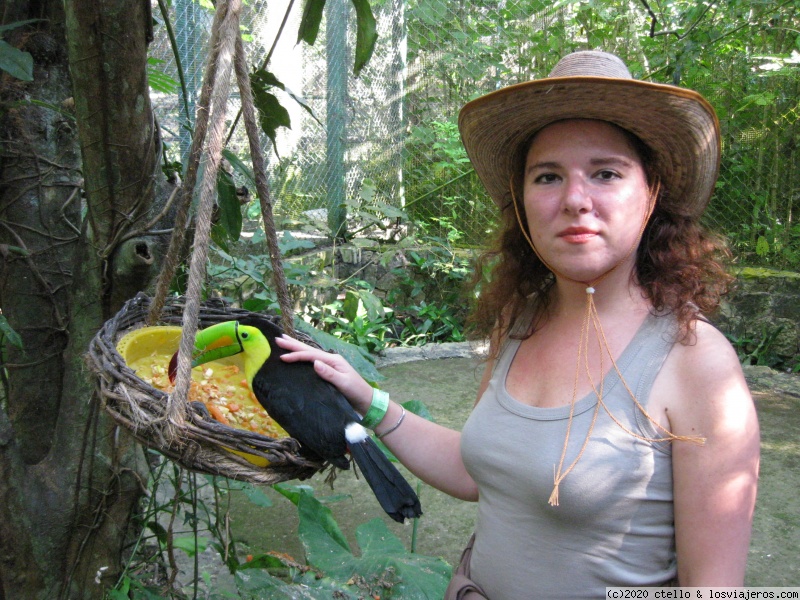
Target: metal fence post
(336, 114)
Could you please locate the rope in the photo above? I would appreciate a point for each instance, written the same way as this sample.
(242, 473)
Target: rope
(262, 188)
(228, 33)
(173, 256)
(226, 53)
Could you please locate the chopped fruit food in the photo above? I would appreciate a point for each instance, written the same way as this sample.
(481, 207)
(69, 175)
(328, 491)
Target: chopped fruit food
(217, 384)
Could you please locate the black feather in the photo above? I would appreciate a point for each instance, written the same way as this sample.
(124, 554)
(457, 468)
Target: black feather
(316, 414)
(390, 488)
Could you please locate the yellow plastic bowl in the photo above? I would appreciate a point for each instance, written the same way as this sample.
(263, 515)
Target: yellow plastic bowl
(149, 342)
(148, 351)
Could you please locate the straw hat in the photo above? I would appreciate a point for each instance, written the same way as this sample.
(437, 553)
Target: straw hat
(677, 124)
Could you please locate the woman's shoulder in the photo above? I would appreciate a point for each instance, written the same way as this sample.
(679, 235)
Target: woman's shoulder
(705, 350)
(705, 379)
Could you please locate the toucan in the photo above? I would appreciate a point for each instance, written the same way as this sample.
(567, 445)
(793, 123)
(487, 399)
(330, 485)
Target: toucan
(310, 409)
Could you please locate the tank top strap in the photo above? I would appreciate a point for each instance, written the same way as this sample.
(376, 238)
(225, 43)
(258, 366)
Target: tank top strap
(639, 363)
(658, 336)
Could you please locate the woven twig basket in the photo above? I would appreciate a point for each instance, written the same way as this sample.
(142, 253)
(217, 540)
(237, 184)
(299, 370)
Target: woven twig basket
(197, 443)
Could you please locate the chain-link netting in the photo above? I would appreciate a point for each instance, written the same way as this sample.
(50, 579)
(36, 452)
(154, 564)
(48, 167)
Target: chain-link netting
(389, 137)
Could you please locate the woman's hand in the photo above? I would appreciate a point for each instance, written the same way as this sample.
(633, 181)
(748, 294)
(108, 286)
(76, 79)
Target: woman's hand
(430, 451)
(333, 368)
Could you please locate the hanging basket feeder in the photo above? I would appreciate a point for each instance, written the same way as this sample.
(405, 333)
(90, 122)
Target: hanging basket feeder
(193, 440)
(180, 429)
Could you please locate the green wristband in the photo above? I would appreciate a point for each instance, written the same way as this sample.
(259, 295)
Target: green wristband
(377, 409)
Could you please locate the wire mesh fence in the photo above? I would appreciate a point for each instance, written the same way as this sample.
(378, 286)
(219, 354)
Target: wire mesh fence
(389, 136)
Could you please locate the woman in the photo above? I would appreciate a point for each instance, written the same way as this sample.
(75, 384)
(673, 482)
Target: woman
(614, 441)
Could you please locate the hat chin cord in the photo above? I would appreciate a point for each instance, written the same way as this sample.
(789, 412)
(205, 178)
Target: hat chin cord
(591, 320)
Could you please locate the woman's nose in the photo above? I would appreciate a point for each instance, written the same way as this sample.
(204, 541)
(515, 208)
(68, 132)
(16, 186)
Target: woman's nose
(576, 197)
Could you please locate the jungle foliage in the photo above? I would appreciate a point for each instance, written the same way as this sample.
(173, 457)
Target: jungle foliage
(84, 209)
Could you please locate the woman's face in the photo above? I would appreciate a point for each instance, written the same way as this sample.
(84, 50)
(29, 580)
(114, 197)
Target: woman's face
(586, 196)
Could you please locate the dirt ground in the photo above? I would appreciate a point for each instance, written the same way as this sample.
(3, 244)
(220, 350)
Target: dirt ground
(775, 547)
(448, 387)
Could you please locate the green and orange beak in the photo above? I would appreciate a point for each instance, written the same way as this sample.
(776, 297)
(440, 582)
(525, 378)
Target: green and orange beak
(212, 343)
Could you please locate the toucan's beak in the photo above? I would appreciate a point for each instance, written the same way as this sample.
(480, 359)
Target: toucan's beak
(215, 342)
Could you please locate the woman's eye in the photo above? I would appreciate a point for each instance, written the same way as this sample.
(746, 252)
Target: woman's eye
(546, 178)
(607, 175)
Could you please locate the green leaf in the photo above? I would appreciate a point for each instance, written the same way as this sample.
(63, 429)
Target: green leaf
(373, 304)
(350, 305)
(366, 34)
(359, 358)
(309, 24)
(230, 210)
(190, 544)
(288, 243)
(383, 560)
(157, 79)
(319, 532)
(374, 538)
(267, 79)
(158, 530)
(122, 592)
(390, 212)
(418, 407)
(9, 334)
(220, 237)
(256, 304)
(15, 62)
(368, 189)
(257, 496)
(417, 577)
(64, 113)
(762, 246)
(271, 113)
(383, 557)
(15, 24)
(230, 559)
(303, 104)
(252, 584)
(255, 584)
(293, 492)
(239, 166)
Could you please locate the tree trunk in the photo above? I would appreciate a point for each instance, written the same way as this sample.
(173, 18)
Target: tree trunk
(69, 479)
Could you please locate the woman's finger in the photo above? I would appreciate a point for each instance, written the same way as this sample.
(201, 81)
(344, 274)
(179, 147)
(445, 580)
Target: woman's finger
(298, 351)
(290, 343)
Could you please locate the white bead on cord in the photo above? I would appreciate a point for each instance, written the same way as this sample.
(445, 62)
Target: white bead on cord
(590, 290)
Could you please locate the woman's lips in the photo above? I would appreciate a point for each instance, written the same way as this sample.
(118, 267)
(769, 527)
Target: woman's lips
(577, 235)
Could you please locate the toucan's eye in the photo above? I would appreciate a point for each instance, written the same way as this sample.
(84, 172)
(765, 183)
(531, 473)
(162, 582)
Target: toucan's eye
(244, 335)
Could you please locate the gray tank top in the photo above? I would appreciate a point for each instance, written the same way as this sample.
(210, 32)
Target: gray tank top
(614, 525)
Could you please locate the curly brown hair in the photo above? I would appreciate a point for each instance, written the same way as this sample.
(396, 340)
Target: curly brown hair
(680, 265)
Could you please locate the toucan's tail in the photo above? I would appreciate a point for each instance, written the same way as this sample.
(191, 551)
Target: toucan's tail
(390, 488)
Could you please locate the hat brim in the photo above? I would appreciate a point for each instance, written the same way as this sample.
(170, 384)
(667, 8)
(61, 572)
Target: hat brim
(678, 125)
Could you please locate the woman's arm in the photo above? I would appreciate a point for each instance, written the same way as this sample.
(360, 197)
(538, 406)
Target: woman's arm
(714, 483)
(430, 451)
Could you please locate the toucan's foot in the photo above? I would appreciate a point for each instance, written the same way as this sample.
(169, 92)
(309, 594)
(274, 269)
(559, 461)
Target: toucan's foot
(333, 473)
